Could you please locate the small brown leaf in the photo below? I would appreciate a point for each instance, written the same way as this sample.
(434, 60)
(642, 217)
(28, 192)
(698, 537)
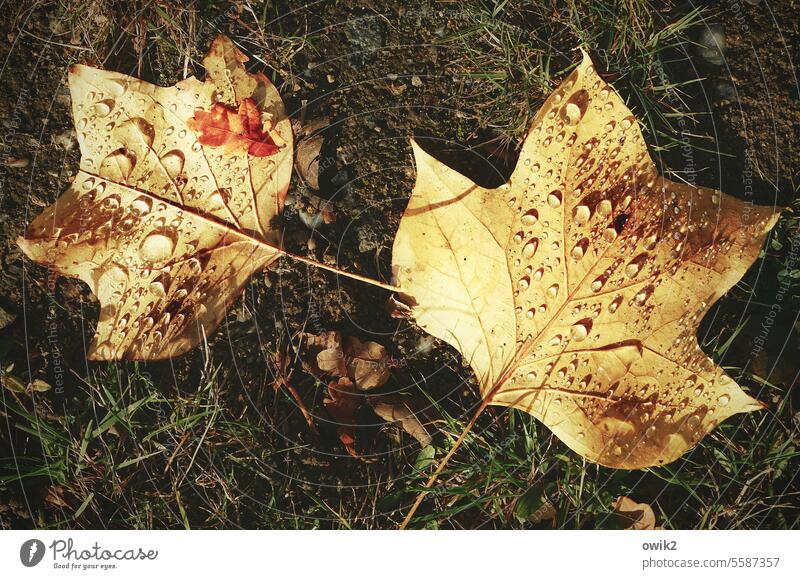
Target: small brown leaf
(307, 153)
(365, 363)
(633, 515)
(39, 385)
(223, 126)
(343, 403)
(398, 409)
(55, 497)
(13, 383)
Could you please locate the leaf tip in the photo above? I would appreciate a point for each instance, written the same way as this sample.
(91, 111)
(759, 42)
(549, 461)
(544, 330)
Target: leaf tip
(421, 157)
(586, 60)
(28, 247)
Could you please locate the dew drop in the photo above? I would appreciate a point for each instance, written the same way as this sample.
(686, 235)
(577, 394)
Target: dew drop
(579, 332)
(117, 86)
(103, 108)
(572, 114)
(554, 199)
(173, 163)
(575, 107)
(581, 215)
(530, 217)
(641, 297)
(530, 248)
(157, 288)
(156, 247)
(118, 165)
(633, 269)
(141, 205)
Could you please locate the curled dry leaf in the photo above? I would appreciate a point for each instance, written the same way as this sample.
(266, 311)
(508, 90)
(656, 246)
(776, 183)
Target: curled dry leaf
(173, 207)
(399, 409)
(575, 290)
(361, 366)
(398, 309)
(633, 515)
(343, 403)
(308, 150)
(365, 363)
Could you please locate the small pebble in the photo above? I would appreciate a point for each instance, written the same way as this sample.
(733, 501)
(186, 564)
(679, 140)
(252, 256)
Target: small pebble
(6, 318)
(311, 221)
(725, 90)
(416, 81)
(17, 162)
(711, 44)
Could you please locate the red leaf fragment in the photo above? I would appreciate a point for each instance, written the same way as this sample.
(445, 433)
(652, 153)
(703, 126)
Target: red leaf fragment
(224, 125)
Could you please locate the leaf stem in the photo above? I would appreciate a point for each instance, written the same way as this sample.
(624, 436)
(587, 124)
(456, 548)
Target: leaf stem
(338, 271)
(432, 479)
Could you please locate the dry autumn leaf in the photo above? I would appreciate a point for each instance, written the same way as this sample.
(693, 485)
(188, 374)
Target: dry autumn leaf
(399, 409)
(633, 515)
(367, 364)
(344, 400)
(308, 150)
(575, 290)
(360, 368)
(172, 209)
(343, 403)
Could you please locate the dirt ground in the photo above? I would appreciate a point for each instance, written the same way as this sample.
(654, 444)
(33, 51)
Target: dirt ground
(380, 73)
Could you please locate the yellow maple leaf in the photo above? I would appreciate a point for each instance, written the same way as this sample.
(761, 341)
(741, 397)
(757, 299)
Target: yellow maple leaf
(575, 290)
(172, 209)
